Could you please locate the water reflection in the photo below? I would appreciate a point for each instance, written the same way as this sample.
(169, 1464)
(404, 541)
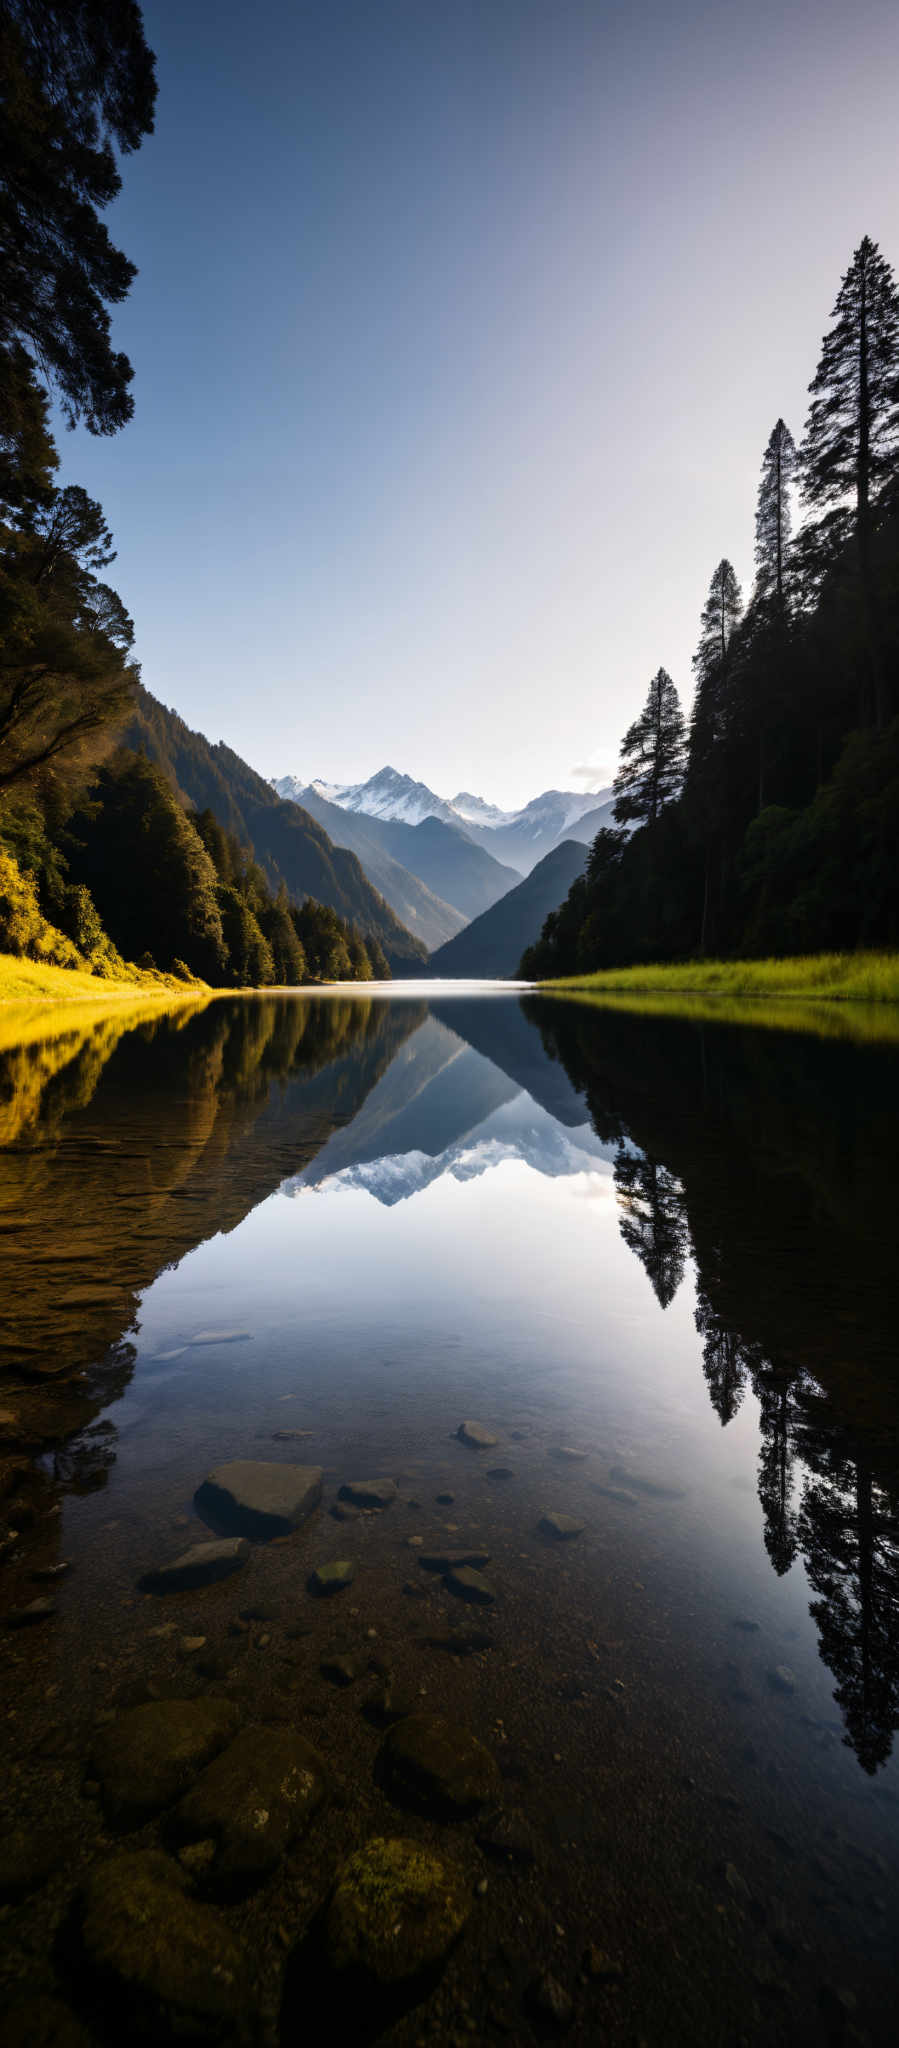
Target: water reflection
(763, 1161)
(771, 1162)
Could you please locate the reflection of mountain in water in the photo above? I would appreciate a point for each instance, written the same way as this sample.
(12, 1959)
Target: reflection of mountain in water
(443, 1108)
(771, 1160)
(139, 1144)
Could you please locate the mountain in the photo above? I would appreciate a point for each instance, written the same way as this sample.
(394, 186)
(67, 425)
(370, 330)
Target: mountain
(493, 945)
(520, 838)
(586, 827)
(422, 910)
(385, 795)
(289, 845)
(462, 876)
(528, 835)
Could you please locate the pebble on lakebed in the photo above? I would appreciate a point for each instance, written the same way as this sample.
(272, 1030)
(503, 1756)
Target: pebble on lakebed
(331, 1578)
(560, 1527)
(474, 1433)
(369, 1493)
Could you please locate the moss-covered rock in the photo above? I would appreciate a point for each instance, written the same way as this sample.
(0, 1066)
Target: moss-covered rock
(43, 2022)
(438, 1766)
(395, 1912)
(171, 1965)
(146, 1759)
(251, 1803)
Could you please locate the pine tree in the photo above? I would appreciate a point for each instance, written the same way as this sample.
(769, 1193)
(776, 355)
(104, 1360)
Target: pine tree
(772, 519)
(850, 454)
(652, 756)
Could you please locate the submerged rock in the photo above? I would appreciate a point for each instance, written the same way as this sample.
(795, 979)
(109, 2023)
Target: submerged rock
(332, 1578)
(255, 1800)
(561, 1527)
(568, 1454)
(43, 2023)
(259, 1499)
(146, 1759)
(549, 2001)
(475, 1434)
(450, 1560)
(439, 1766)
(468, 1584)
(28, 1856)
(201, 1565)
(170, 1964)
(369, 1493)
(36, 1610)
(395, 1912)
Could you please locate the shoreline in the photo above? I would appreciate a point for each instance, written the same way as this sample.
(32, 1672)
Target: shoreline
(820, 977)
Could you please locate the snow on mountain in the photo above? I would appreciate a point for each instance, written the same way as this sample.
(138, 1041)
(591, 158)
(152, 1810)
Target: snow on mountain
(389, 794)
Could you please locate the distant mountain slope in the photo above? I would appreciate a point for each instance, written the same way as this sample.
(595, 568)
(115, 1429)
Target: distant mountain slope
(289, 845)
(423, 911)
(494, 943)
(441, 857)
(586, 828)
(547, 821)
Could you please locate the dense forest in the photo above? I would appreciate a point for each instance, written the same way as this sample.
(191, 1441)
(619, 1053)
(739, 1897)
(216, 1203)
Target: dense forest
(769, 822)
(104, 860)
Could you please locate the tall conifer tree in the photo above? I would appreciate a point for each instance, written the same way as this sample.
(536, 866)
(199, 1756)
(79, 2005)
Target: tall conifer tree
(773, 518)
(850, 454)
(652, 756)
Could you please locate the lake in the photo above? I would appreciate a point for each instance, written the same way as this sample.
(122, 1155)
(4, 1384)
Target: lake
(655, 1258)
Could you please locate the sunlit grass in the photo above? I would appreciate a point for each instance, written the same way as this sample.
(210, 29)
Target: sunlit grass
(822, 977)
(834, 995)
(36, 981)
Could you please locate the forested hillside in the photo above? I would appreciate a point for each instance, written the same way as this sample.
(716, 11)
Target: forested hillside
(770, 822)
(289, 845)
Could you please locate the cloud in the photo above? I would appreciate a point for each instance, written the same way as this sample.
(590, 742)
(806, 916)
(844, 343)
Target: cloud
(594, 774)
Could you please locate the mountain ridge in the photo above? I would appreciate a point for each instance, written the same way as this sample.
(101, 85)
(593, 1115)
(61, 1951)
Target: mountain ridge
(492, 945)
(518, 838)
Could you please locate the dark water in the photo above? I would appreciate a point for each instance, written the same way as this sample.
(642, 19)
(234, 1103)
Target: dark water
(669, 1245)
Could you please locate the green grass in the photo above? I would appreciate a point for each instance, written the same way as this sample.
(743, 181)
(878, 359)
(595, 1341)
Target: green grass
(24, 981)
(819, 977)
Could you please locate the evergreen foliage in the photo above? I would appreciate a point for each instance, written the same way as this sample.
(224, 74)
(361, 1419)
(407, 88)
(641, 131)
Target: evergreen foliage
(785, 838)
(652, 756)
(76, 83)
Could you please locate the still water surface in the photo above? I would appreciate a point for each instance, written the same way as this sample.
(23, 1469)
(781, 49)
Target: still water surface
(668, 1245)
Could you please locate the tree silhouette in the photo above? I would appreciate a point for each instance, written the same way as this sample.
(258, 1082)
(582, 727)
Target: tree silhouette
(653, 1221)
(776, 1459)
(652, 756)
(773, 518)
(722, 1360)
(851, 445)
(706, 790)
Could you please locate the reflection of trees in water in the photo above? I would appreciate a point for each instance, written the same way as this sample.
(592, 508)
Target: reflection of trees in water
(850, 1542)
(653, 1221)
(740, 1168)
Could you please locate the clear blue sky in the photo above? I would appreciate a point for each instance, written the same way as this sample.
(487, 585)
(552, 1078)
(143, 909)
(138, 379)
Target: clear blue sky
(459, 331)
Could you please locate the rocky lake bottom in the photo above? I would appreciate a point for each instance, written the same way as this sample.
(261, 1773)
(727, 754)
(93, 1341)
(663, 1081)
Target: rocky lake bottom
(541, 1682)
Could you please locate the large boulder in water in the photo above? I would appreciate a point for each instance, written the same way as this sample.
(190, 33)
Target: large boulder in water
(394, 1914)
(249, 1806)
(169, 1967)
(146, 1759)
(258, 1499)
(439, 1767)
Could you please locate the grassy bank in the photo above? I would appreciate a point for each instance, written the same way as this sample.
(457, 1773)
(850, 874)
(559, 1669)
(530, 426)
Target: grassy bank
(26, 981)
(819, 977)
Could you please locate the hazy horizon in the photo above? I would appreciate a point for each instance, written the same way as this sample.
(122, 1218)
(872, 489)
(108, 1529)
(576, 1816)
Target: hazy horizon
(458, 336)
